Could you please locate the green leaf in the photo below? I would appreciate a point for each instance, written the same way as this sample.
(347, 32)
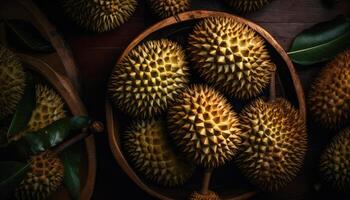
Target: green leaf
(71, 158)
(34, 142)
(321, 42)
(11, 174)
(24, 108)
(25, 36)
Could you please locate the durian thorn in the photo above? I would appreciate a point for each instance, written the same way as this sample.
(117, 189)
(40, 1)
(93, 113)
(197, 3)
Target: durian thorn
(272, 95)
(206, 181)
(94, 127)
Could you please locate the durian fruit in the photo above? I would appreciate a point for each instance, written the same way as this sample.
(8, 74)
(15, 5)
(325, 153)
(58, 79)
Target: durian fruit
(210, 196)
(247, 6)
(151, 153)
(168, 8)
(231, 56)
(204, 126)
(49, 108)
(329, 97)
(43, 178)
(335, 162)
(99, 15)
(274, 143)
(151, 76)
(12, 82)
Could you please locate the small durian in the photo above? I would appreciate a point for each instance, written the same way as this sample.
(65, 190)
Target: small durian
(231, 56)
(168, 8)
(151, 153)
(43, 178)
(329, 97)
(247, 6)
(274, 143)
(204, 126)
(210, 196)
(99, 15)
(12, 82)
(48, 109)
(335, 162)
(151, 76)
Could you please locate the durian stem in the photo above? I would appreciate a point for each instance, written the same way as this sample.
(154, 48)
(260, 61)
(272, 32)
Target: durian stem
(272, 95)
(206, 181)
(94, 127)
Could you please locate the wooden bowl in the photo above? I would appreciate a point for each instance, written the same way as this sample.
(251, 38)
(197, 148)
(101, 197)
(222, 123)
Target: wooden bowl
(173, 28)
(59, 69)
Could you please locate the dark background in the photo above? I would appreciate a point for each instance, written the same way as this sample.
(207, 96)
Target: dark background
(96, 54)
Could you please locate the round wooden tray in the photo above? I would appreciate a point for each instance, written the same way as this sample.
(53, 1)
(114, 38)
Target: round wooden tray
(285, 84)
(64, 87)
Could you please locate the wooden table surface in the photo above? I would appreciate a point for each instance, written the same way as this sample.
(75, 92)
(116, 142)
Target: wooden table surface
(96, 54)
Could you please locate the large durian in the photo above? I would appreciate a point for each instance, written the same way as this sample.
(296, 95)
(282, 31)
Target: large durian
(43, 178)
(204, 126)
(274, 143)
(231, 56)
(12, 82)
(152, 75)
(168, 8)
(100, 15)
(329, 97)
(49, 108)
(153, 156)
(246, 6)
(335, 162)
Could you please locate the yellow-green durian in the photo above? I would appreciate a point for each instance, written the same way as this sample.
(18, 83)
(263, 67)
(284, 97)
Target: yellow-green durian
(274, 143)
(204, 126)
(329, 97)
(335, 162)
(150, 151)
(231, 56)
(168, 8)
(43, 178)
(99, 15)
(12, 82)
(151, 76)
(49, 108)
(247, 6)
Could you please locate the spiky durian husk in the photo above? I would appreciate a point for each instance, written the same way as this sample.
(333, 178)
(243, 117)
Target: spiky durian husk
(335, 162)
(210, 196)
(247, 6)
(168, 8)
(329, 97)
(43, 178)
(231, 56)
(274, 143)
(100, 15)
(204, 126)
(151, 76)
(49, 108)
(12, 82)
(151, 153)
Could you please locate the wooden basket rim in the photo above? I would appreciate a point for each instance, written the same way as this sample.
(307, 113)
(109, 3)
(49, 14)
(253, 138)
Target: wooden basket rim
(187, 16)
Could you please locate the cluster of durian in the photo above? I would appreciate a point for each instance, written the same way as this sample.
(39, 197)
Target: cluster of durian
(46, 170)
(329, 105)
(99, 15)
(151, 85)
